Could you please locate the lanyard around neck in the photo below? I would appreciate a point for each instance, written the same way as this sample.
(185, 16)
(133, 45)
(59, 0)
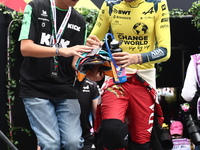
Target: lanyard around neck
(57, 35)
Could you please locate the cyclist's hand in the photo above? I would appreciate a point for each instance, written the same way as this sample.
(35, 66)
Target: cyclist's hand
(124, 59)
(93, 40)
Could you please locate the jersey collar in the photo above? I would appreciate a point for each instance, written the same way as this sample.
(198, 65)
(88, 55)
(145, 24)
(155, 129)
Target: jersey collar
(134, 3)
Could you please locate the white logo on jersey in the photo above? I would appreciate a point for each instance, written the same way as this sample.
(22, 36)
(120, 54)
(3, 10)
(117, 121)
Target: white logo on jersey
(150, 130)
(157, 53)
(126, 137)
(151, 117)
(86, 87)
(89, 82)
(74, 27)
(44, 13)
(45, 40)
(43, 24)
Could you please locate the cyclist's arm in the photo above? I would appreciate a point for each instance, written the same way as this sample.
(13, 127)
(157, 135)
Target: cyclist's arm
(163, 37)
(102, 23)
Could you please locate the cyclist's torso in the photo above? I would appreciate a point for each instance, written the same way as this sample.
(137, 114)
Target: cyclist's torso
(136, 24)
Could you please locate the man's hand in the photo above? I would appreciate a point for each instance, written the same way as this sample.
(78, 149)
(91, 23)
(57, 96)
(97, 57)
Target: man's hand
(124, 59)
(75, 50)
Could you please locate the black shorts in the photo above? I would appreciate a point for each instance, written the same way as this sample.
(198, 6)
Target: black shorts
(89, 143)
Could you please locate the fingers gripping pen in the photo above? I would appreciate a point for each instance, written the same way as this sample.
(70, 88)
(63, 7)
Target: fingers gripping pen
(118, 72)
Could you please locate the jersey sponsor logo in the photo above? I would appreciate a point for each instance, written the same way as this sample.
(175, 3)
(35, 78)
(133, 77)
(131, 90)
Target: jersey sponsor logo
(74, 27)
(164, 26)
(43, 24)
(163, 14)
(44, 13)
(24, 22)
(46, 38)
(120, 17)
(86, 88)
(116, 23)
(163, 7)
(86, 91)
(132, 48)
(26, 13)
(157, 53)
(93, 146)
(98, 24)
(133, 40)
(101, 14)
(151, 118)
(150, 11)
(147, 17)
(164, 19)
(123, 12)
(89, 82)
(140, 40)
(43, 19)
(139, 47)
(140, 28)
(126, 137)
(100, 18)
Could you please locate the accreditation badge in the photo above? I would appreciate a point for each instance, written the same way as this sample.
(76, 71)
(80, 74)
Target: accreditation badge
(54, 62)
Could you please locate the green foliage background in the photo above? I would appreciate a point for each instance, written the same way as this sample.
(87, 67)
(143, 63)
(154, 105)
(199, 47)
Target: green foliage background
(90, 16)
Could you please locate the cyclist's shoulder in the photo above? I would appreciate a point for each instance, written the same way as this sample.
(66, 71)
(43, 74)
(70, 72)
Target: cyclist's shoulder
(156, 1)
(112, 2)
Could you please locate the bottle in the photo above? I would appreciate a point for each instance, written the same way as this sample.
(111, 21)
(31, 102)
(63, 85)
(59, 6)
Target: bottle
(121, 73)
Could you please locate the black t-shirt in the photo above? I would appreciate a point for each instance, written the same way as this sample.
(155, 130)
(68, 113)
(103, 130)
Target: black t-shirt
(36, 79)
(87, 91)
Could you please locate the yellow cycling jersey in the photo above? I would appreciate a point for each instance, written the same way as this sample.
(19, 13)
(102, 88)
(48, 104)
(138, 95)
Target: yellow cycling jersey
(140, 24)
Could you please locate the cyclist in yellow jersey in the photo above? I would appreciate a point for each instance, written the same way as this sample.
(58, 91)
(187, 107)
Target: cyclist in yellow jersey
(139, 24)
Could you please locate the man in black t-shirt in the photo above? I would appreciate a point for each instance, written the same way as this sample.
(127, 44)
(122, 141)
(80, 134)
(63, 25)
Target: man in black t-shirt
(52, 38)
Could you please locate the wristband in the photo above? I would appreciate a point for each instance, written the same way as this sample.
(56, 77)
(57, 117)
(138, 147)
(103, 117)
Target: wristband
(138, 59)
(57, 51)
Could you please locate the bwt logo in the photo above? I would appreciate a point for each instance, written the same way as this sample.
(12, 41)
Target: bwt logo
(122, 12)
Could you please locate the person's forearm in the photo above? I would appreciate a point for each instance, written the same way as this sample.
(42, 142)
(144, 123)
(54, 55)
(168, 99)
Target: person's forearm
(94, 106)
(190, 83)
(30, 49)
(157, 55)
